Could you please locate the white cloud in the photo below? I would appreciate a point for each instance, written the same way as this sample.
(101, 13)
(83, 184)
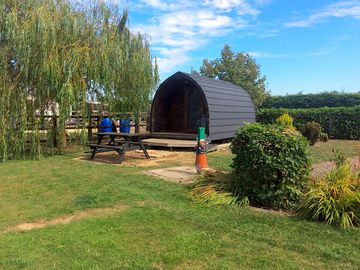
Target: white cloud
(157, 4)
(320, 52)
(224, 4)
(175, 34)
(186, 25)
(168, 5)
(339, 10)
(268, 55)
(241, 6)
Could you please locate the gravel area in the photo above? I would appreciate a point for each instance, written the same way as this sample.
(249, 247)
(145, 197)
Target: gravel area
(319, 170)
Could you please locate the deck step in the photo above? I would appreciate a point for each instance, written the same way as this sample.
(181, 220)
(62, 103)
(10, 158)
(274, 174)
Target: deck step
(174, 136)
(170, 143)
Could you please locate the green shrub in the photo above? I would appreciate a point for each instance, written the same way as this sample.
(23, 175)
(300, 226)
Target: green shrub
(338, 123)
(312, 132)
(271, 165)
(302, 101)
(324, 137)
(335, 199)
(286, 121)
(339, 158)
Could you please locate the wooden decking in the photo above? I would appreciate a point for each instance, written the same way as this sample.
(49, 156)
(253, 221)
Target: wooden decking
(173, 136)
(170, 143)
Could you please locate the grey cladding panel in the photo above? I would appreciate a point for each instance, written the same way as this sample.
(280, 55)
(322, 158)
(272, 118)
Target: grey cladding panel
(229, 106)
(229, 122)
(232, 115)
(222, 135)
(214, 95)
(213, 82)
(226, 86)
(228, 102)
(224, 108)
(224, 89)
(223, 129)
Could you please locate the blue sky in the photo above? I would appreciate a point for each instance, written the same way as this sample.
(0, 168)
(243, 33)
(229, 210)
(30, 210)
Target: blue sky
(301, 45)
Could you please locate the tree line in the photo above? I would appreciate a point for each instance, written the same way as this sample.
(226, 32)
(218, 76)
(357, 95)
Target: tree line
(53, 56)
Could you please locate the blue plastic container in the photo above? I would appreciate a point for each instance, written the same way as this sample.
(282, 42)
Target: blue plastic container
(125, 126)
(106, 125)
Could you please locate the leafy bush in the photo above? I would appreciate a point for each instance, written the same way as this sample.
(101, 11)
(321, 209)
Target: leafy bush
(271, 165)
(324, 137)
(326, 99)
(286, 121)
(335, 199)
(338, 123)
(312, 132)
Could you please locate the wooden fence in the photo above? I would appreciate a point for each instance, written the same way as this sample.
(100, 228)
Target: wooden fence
(92, 123)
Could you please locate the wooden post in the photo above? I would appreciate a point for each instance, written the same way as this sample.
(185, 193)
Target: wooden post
(90, 135)
(54, 125)
(98, 122)
(148, 121)
(137, 122)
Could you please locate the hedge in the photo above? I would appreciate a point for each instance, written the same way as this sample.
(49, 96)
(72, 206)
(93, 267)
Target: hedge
(326, 99)
(338, 123)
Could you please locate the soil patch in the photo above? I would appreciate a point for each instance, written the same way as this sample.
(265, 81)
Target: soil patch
(321, 169)
(137, 158)
(223, 147)
(270, 211)
(182, 175)
(98, 212)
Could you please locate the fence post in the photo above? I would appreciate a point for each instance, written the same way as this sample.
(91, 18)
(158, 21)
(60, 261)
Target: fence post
(90, 128)
(54, 130)
(98, 122)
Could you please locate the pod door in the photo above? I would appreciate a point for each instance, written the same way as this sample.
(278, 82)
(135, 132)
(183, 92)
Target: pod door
(179, 106)
(196, 111)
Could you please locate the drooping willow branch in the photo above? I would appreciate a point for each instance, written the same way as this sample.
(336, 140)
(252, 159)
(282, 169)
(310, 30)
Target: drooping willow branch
(52, 55)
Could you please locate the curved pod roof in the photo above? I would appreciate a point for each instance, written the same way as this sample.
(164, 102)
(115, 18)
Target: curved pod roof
(229, 106)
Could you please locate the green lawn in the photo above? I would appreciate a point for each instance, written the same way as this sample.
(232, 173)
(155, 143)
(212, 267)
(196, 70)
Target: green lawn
(323, 151)
(161, 228)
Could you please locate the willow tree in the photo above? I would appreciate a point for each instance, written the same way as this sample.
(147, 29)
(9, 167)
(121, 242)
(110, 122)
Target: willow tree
(51, 55)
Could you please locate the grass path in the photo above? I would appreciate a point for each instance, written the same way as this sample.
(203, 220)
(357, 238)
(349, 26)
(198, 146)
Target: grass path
(160, 229)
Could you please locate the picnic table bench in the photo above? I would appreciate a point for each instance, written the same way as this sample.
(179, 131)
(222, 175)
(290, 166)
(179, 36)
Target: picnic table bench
(127, 142)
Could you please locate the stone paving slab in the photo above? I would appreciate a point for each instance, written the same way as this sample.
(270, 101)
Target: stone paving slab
(182, 175)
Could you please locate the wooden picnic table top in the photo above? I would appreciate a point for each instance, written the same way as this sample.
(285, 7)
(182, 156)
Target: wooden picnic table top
(124, 135)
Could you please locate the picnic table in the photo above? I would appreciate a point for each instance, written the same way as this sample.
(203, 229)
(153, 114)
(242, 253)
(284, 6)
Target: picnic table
(126, 141)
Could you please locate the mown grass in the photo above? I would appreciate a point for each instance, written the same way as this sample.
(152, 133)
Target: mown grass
(162, 228)
(323, 151)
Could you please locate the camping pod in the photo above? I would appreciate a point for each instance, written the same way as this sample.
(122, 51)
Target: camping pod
(184, 102)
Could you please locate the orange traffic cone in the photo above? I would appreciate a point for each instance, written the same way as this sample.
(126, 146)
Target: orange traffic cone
(201, 163)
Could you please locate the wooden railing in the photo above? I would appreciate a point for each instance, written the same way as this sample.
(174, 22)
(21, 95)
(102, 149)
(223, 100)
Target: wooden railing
(92, 123)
